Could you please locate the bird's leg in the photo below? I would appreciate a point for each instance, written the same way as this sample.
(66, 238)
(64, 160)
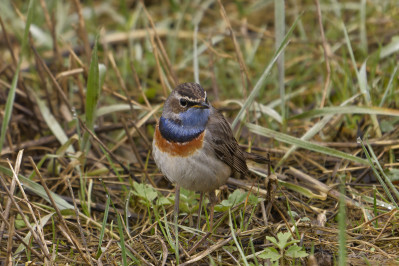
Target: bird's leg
(177, 199)
(199, 210)
(176, 213)
(212, 200)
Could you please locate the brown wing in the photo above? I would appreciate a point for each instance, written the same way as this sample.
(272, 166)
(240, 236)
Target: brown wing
(224, 144)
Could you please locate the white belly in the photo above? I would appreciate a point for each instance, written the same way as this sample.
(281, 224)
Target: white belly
(197, 172)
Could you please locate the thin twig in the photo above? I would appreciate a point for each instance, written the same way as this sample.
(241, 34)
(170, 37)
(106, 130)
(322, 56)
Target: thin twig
(52, 78)
(136, 153)
(208, 251)
(121, 82)
(240, 59)
(137, 80)
(326, 54)
(82, 33)
(8, 43)
(7, 208)
(164, 251)
(138, 255)
(196, 245)
(160, 45)
(10, 240)
(159, 68)
(385, 226)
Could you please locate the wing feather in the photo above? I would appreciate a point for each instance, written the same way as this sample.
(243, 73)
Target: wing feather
(224, 144)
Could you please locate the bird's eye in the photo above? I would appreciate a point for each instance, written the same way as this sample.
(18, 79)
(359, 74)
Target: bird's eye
(183, 102)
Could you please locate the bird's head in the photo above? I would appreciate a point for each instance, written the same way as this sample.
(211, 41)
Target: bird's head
(188, 106)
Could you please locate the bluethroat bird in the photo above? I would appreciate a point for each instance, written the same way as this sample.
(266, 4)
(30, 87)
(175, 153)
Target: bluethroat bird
(194, 146)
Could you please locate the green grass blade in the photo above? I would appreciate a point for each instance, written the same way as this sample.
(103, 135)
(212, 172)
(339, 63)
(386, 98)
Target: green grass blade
(294, 187)
(92, 95)
(29, 19)
(297, 93)
(122, 237)
(165, 230)
(270, 112)
(376, 173)
(11, 93)
(363, 29)
(303, 144)
(377, 202)
(262, 78)
(8, 107)
(389, 86)
(195, 56)
(236, 241)
(387, 179)
(279, 19)
(362, 80)
(390, 48)
(109, 109)
(250, 57)
(251, 242)
(52, 122)
(104, 225)
(372, 110)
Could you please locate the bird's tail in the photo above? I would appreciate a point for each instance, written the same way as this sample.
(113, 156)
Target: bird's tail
(256, 157)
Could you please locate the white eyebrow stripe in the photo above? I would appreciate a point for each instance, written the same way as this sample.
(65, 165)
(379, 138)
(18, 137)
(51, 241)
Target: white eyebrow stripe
(190, 99)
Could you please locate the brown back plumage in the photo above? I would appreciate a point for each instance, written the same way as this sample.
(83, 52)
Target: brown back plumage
(224, 144)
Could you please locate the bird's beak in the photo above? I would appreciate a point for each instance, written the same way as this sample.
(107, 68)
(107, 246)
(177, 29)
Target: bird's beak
(202, 105)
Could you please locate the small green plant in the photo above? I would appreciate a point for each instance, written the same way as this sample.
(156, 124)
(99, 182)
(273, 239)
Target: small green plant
(235, 198)
(189, 201)
(287, 249)
(148, 195)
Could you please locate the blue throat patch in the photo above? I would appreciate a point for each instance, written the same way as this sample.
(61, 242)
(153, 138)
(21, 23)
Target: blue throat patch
(190, 125)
